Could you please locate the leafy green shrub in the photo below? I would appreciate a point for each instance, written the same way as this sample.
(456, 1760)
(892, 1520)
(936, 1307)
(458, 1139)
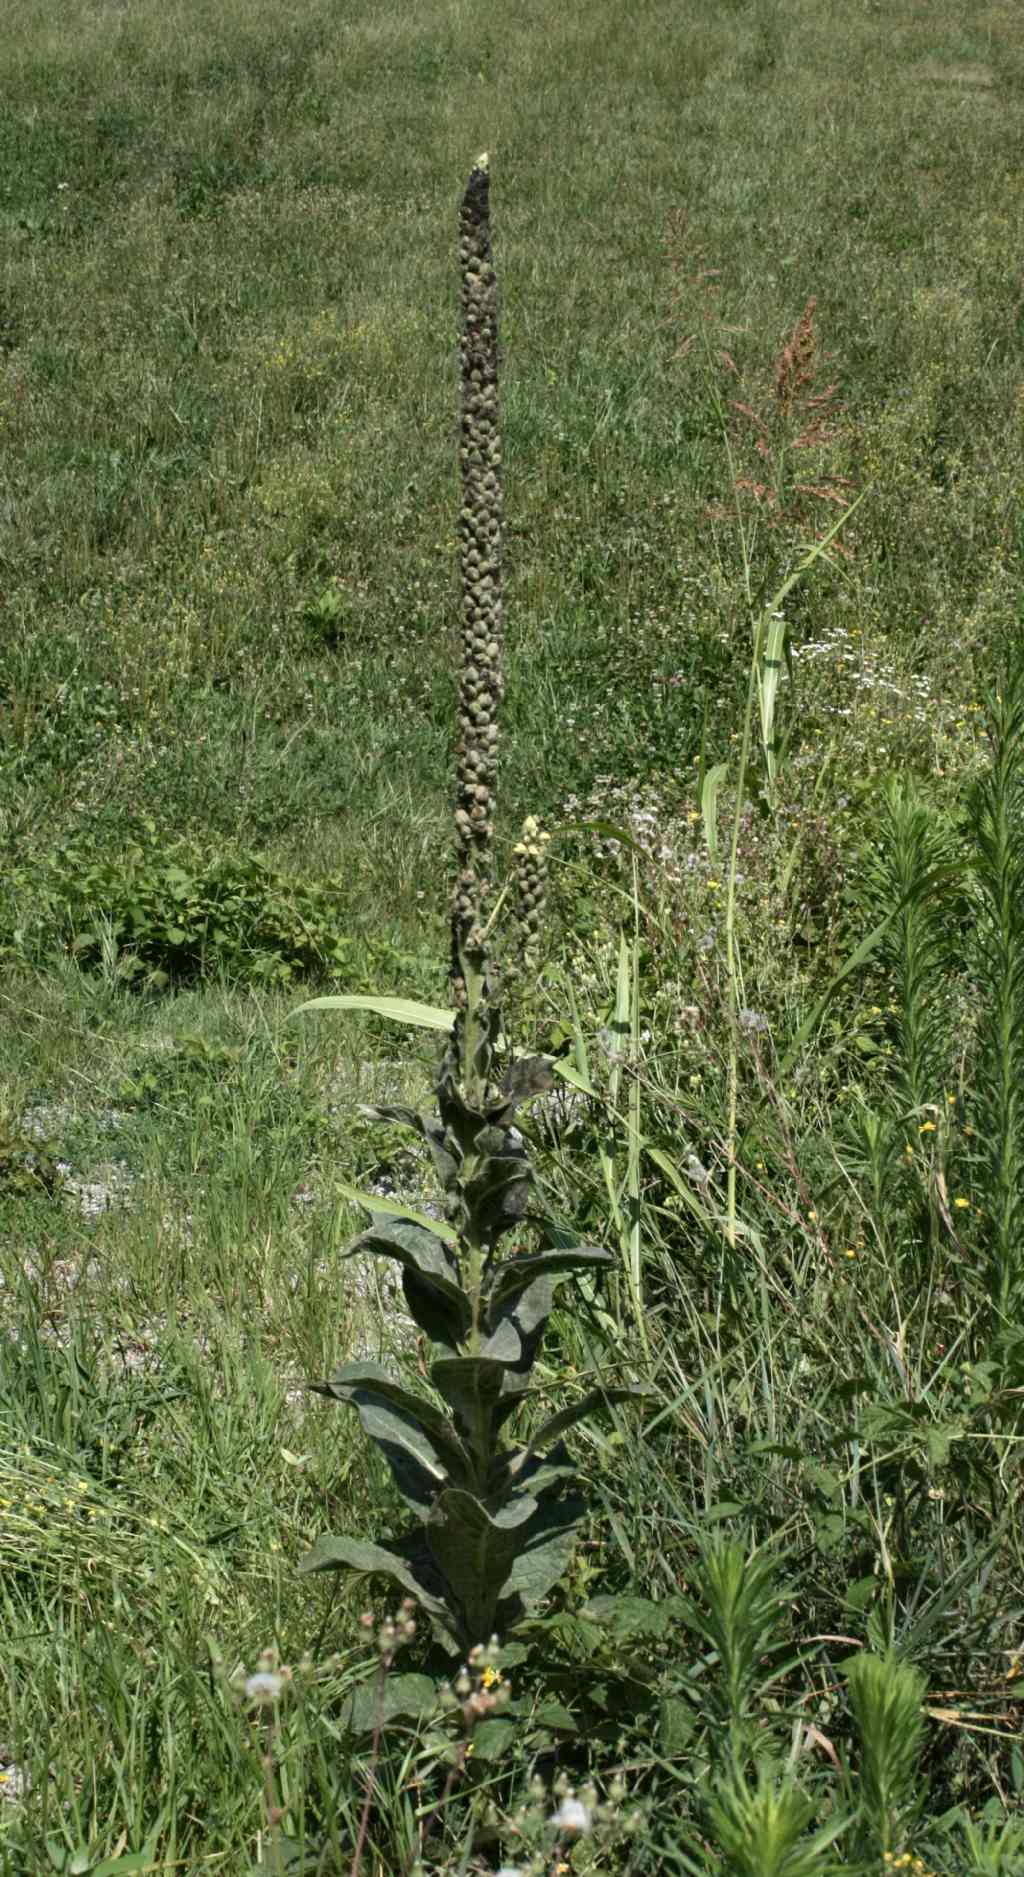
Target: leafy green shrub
(168, 912)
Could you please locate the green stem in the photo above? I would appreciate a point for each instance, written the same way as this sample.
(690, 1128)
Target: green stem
(731, 947)
(475, 1066)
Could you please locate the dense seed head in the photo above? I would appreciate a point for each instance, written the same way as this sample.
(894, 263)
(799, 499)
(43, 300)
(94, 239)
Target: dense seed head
(480, 539)
(529, 878)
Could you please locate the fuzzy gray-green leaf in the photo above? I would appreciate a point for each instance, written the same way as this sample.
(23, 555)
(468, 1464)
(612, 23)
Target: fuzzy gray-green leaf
(508, 1280)
(499, 1194)
(518, 1468)
(411, 1245)
(400, 1697)
(423, 1255)
(516, 1325)
(475, 1553)
(472, 1387)
(359, 1383)
(504, 1344)
(332, 1553)
(414, 1437)
(441, 1317)
(545, 1559)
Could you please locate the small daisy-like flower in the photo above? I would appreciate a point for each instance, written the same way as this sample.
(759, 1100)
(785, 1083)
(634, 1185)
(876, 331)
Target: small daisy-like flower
(264, 1687)
(961, 1202)
(571, 1816)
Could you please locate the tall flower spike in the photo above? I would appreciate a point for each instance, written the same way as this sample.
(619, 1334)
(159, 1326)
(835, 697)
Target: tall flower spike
(480, 533)
(530, 878)
(494, 1524)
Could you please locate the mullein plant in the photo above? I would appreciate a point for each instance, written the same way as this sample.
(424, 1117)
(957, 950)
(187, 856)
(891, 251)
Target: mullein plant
(493, 1522)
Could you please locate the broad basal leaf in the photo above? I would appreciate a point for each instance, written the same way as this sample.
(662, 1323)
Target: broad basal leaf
(475, 1554)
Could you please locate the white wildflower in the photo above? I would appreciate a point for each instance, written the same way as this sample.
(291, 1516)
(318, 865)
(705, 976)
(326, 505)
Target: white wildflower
(264, 1687)
(571, 1816)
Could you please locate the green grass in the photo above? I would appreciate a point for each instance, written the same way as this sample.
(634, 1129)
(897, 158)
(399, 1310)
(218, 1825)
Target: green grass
(228, 502)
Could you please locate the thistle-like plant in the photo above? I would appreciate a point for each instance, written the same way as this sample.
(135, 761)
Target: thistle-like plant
(494, 1521)
(887, 1698)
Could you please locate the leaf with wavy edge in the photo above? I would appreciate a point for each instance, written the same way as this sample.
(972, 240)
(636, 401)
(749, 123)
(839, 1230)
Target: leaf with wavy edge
(439, 1319)
(515, 1328)
(357, 1383)
(472, 1387)
(429, 1263)
(577, 1411)
(475, 1553)
(332, 1553)
(411, 1244)
(418, 1469)
(538, 1568)
(516, 1274)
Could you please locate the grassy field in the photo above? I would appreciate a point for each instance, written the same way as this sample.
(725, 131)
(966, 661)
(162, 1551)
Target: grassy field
(758, 261)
